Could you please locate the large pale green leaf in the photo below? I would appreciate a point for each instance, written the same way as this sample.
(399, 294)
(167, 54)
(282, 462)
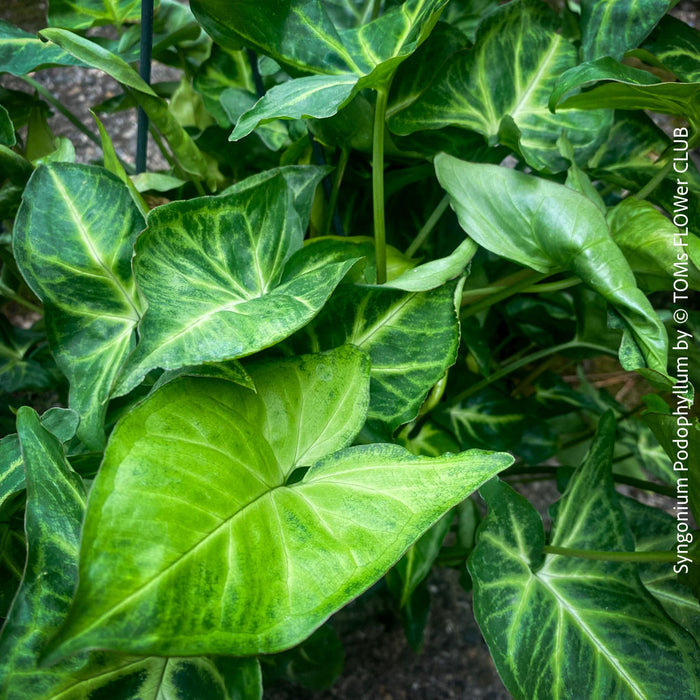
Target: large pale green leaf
(550, 227)
(62, 422)
(188, 155)
(83, 14)
(557, 624)
(195, 534)
(625, 87)
(22, 52)
(302, 35)
(500, 89)
(218, 279)
(652, 245)
(55, 509)
(610, 28)
(85, 283)
(411, 338)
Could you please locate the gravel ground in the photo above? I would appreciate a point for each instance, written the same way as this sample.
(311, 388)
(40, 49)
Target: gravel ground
(455, 663)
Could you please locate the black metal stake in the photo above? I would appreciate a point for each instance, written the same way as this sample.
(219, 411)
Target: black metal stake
(145, 58)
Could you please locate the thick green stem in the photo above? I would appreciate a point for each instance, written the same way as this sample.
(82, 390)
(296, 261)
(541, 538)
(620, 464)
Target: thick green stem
(333, 199)
(553, 286)
(428, 226)
(667, 158)
(661, 557)
(378, 183)
(376, 6)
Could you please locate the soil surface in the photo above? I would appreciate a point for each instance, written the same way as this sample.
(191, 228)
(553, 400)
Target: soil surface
(379, 664)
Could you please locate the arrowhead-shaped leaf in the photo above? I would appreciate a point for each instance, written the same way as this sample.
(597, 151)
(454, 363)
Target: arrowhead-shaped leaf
(194, 536)
(91, 306)
(411, 338)
(55, 510)
(550, 227)
(556, 624)
(613, 28)
(506, 80)
(214, 273)
(302, 35)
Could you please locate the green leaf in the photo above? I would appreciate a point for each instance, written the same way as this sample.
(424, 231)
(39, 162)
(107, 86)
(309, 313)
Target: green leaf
(302, 36)
(556, 624)
(12, 555)
(113, 164)
(7, 128)
(551, 228)
(411, 338)
(677, 46)
(83, 14)
(219, 281)
(188, 155)
(625, 88)
(657, 531)
(500, 89)
(55, 508)
(436, 272)
(261, 561)
(21, 52)
(88, 292)
(613, 28)
(652, 245)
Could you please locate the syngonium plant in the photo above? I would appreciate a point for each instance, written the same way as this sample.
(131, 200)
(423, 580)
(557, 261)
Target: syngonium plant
(403, 252)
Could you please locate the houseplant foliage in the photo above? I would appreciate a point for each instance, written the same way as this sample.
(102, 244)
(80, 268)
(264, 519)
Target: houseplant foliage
(405, 255)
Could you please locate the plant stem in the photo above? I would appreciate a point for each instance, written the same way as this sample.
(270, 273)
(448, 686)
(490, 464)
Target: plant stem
(428, 226)
(553, 286)
(378, 182)
(376, 6)
(63, 110)
(667, 157)
(513, 366)
(612, 556)
(641, 484)
(333, 199)
(527, 278)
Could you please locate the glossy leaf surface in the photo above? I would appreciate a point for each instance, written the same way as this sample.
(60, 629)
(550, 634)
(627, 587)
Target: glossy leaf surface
(215, 523)
(22, 52)
(677, 46)
(506, 79)
(55, 508)
(87, 286)
(612, 28)
(411, 338)
(549, 227)
(625, 88)
(557, 623)
(213, 271)
(303, 36)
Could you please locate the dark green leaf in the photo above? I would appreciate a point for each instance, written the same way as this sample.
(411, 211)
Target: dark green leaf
(612, 28)
(234, 539)
(88, 291)
(677, 46)
(500, 89)
(21, 52)
(625, 88)
(555, 624)
(411, 338)
(7, 128)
